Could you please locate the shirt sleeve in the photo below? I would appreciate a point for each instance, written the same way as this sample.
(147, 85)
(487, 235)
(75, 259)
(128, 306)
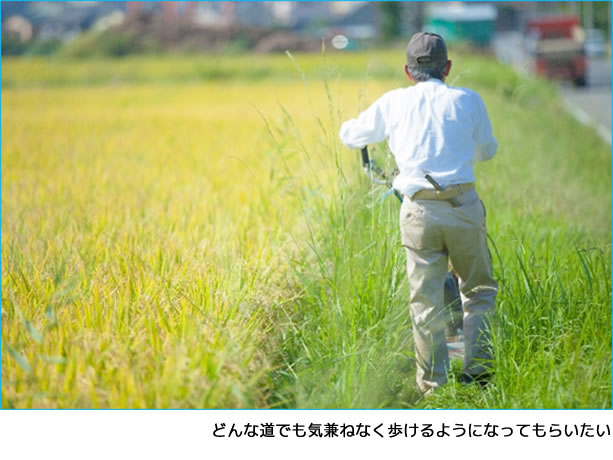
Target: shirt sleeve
(368, 128)
(485, 143)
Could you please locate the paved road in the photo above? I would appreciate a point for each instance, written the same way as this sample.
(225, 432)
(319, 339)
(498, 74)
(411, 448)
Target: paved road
(590, 105)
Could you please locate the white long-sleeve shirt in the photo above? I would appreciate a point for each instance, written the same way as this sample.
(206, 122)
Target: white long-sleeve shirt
(430, 127)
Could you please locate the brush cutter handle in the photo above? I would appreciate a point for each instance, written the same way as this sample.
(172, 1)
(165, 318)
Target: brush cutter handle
(375, 173)
(365, 157)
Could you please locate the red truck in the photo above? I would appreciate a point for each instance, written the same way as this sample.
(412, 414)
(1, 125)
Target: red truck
(556, 46)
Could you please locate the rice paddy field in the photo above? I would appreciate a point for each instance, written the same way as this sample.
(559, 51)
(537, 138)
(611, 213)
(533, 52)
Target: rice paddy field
(188, 232)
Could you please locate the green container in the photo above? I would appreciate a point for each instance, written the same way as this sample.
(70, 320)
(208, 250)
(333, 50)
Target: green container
(463, 23)
(479, 32)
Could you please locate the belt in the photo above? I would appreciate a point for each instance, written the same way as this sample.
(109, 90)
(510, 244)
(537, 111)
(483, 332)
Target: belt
(446, 194)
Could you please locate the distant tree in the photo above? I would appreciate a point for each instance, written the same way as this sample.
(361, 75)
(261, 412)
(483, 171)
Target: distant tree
(43, 47)
(12, 45)
(600, 13)
(602, 20)
(391, 13)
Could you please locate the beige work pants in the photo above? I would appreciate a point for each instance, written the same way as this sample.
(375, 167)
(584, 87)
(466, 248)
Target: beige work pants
(433, 231)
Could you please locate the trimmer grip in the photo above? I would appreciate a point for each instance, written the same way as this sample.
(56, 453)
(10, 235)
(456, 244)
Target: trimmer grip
(365, 158)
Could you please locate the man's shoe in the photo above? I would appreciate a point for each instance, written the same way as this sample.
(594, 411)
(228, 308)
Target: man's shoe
(482, 379)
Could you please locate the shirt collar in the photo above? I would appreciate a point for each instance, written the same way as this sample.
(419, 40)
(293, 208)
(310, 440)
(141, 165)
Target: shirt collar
(432, 81)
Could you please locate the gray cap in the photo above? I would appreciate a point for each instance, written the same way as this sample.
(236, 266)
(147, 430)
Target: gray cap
(426, 51)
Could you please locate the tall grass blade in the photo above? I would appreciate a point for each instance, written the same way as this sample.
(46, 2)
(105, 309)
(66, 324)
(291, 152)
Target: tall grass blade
(21, 360)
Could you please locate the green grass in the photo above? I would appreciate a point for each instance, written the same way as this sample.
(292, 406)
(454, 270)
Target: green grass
(348, 340)
(382, 65)
(188, 232)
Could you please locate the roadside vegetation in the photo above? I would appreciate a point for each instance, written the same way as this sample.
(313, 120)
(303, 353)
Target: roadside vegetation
(189, 232)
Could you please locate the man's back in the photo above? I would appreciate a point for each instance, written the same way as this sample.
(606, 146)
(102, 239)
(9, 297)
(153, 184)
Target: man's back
(430, 127)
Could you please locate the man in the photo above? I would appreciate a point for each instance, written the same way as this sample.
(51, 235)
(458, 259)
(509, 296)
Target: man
(437, 130)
